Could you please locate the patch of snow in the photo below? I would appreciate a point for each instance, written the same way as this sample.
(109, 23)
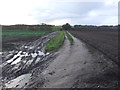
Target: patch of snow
(38, 48)
(9, 61)
(18, 82)
(47, 53)
(11, 52)
(41, 53)
(15, 56)
(26, 46)
(19, 53)
(34, 55)
(1, 53)
(31, 47)
(24, 53)
(17, 60)
(37, 60)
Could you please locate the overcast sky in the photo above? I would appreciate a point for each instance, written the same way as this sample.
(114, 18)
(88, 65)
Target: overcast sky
(58, 12)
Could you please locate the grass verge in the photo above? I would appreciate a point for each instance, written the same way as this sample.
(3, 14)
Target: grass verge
(56, 42)
(70, 38)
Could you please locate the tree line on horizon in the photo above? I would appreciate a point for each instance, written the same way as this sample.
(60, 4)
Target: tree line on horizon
(27, 27)
(66, 26)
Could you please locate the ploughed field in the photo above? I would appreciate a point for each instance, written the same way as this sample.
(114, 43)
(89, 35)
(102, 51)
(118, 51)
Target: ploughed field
(106, 41)
(24, 57)
(11, 37)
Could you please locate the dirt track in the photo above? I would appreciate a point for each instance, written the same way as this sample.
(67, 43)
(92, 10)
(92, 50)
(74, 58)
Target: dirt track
(76, 66)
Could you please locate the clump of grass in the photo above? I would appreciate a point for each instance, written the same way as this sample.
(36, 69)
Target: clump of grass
(70, 38)
(56, 42)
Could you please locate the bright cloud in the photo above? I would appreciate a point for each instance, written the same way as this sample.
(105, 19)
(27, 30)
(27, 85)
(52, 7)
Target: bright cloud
(58, 12)
(59, 22)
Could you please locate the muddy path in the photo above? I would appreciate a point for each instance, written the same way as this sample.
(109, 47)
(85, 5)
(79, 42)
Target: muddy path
(25, 63)
(73, 66)
(78, 66)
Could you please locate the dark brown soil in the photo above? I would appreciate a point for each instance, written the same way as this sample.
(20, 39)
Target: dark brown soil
(105, 41)
(12, 44)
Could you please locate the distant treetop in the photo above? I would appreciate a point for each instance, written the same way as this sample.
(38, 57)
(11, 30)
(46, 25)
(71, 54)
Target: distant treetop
(66, 26)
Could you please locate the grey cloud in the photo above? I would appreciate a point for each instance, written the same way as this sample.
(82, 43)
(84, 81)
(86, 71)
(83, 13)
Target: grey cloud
(77, 12)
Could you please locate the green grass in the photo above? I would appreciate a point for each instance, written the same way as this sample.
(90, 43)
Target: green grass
(22, 32)
(56, 42)
(56, 28)
(9, 35)
(70, 38)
